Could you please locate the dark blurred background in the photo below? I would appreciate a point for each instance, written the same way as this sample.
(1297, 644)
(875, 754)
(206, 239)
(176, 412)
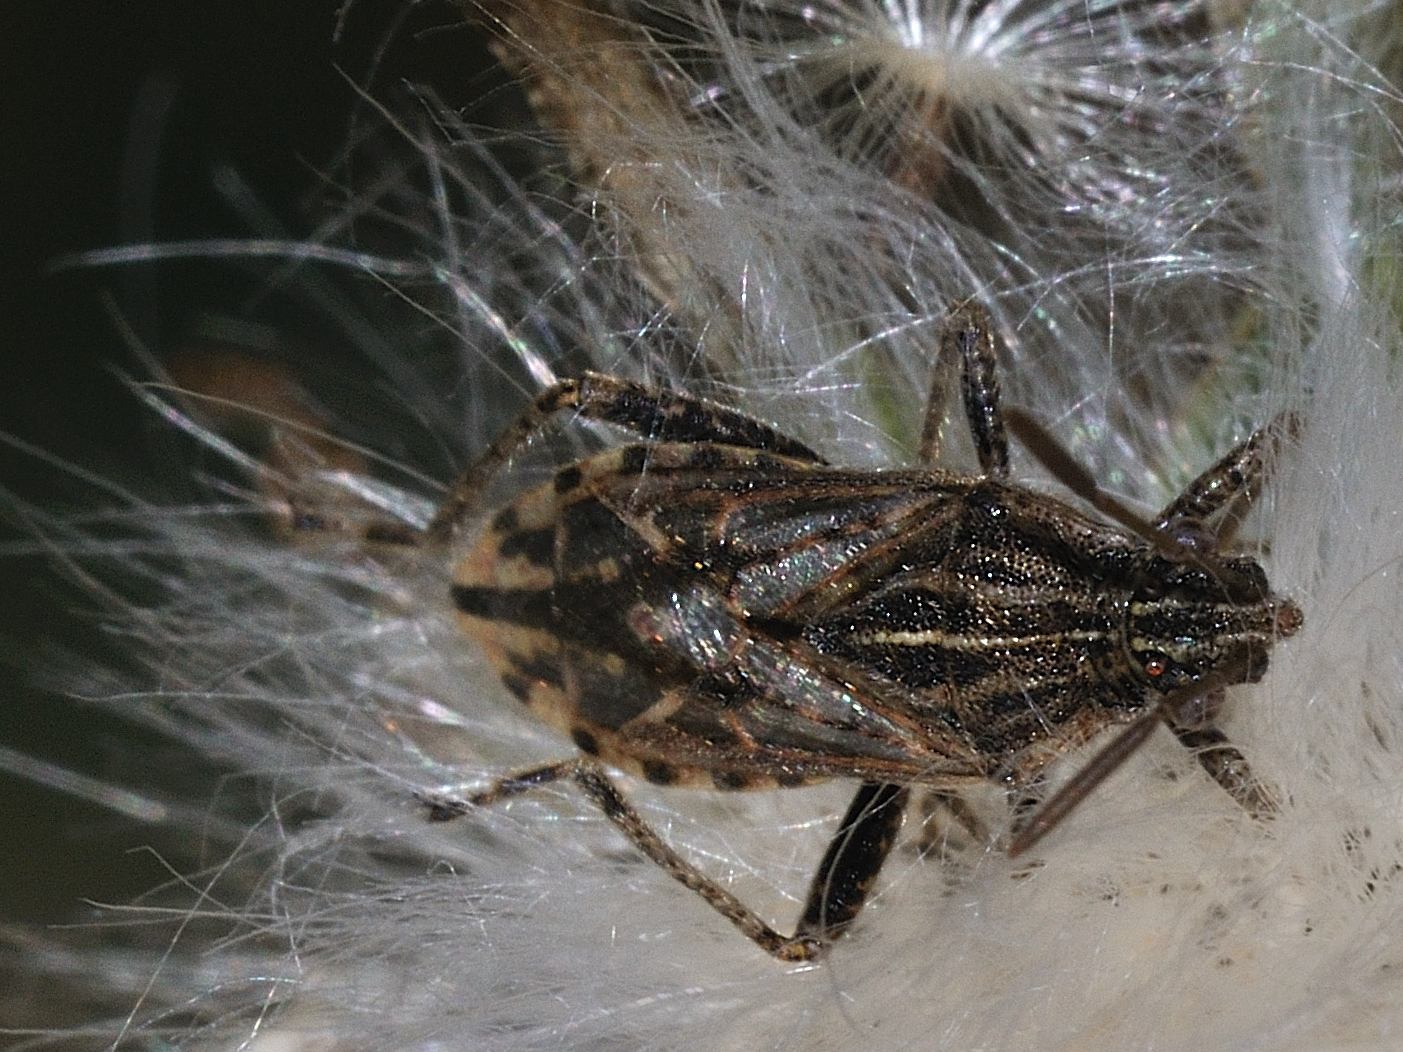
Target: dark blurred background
(117, 122)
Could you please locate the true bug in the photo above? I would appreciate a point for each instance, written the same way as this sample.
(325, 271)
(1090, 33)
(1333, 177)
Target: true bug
(719, 606)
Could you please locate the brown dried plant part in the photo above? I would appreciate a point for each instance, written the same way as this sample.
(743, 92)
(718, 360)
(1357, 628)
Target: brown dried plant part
(262, 406)
(599, 84)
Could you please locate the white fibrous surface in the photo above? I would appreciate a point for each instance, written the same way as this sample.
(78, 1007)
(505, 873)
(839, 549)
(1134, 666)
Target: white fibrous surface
(1184, 222)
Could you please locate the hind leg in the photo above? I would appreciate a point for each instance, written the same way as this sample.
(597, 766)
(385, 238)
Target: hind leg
(836, 895)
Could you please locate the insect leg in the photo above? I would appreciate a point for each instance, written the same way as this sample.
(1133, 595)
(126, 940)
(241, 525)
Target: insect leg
(967, 337)
(602, 792)
(1065, 469)
(660, 416)
(799, 947)
(942, 813)
(1194, 725)
(1100, 767)
(1181, 543)
(1172, 709)
(1229, 486)
(853, 859)
(1227, 766)
(446, 809)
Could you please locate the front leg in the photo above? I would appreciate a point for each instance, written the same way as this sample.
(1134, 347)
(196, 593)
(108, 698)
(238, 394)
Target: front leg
(1195, 725)
(1228, 487)
(1227, 766)
(1188, 711)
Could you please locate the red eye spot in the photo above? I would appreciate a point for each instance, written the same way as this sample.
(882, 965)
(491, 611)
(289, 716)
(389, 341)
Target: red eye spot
(1154, 667)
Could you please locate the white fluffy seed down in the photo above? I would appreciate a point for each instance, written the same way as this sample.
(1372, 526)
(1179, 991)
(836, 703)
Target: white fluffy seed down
(1186, 226)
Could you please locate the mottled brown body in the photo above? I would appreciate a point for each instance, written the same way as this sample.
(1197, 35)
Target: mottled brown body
(713, 615)
(717, 606)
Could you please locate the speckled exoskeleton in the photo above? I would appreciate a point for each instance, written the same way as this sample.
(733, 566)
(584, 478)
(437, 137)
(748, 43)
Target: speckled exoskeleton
(718, 606)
